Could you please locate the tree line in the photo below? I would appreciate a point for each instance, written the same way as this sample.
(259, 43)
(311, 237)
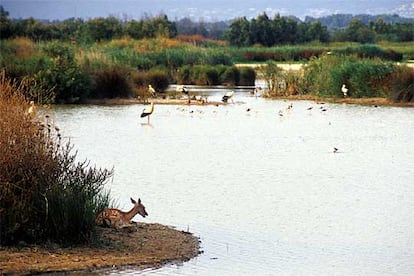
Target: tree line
(289, 30)
(262, 30)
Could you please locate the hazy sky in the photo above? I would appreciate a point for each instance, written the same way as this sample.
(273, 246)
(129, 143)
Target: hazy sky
(208, 10)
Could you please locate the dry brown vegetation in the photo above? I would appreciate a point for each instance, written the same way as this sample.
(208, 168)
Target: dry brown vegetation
(25, 155)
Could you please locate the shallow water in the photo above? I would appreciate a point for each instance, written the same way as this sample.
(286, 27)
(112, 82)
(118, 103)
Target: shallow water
(264, 192)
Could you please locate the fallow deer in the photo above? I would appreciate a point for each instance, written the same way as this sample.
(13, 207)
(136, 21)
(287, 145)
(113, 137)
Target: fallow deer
(112, 217)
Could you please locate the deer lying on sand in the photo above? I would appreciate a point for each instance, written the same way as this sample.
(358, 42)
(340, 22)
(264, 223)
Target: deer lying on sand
(112, 217)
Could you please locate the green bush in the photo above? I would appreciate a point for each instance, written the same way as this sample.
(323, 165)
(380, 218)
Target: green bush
(64, 76)
(247, 76)
(325, 76)
(231, 76)
(184, 75)
(211, 75)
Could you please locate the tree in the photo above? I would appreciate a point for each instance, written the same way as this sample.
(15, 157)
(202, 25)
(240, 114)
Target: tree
(238, 33)
(265, 35)
(318, 32)
(134, 28)
(359, 32)
(101, 28)
(6, 25)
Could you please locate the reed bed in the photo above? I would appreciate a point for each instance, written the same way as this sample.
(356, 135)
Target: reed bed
(45, 194)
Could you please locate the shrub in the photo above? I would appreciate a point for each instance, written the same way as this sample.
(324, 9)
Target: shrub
(64, 76)
(231, 76)
(158, 79)
(111, 82)
(211, 75)
(401, 85)
(273, 76)
(247, 76)
(184, 75)
(45, 195)
(363, 77)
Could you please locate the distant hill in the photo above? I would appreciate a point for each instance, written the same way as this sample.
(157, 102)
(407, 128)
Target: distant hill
(206, 10)
(340, 21)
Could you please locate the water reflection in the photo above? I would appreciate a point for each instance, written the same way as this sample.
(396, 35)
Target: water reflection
(265, 193)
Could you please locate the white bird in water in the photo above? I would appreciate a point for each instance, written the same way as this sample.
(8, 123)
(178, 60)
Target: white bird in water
(344, 90)
(148, 111)
(151, 90)
(227, 96)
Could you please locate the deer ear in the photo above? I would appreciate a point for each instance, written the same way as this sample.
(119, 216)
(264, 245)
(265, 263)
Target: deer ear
(139, 201)
(133, 201)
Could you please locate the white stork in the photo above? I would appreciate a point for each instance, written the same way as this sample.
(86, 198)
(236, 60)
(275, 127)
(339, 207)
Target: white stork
(148, 111)
(227, 96)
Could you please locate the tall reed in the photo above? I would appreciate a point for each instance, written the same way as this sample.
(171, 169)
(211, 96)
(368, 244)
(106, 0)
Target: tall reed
(45, 194)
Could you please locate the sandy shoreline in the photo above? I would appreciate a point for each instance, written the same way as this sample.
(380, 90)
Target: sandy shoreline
(141, 246)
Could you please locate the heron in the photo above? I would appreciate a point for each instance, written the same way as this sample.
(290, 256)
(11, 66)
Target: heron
(151, 90)
(148, 111)
(344, 90)
(227, 96)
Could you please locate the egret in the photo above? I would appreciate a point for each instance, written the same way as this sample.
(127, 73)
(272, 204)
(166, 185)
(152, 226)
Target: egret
(227, 96)
(151, 90)
(32, 110)
(344, 90)
(148, 111)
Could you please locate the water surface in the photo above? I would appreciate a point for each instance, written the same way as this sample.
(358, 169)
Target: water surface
(262, 188)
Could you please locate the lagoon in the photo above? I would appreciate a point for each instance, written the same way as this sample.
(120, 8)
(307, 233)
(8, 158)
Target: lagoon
(263, 188)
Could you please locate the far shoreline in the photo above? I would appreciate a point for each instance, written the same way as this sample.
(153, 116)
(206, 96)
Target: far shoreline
(161, 101)
(357, 101)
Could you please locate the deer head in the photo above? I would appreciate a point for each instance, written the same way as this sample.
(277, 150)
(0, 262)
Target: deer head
(139, 208)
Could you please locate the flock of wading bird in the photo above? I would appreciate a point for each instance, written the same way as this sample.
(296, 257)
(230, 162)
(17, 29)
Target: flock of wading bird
(113, 217)
(229, 96)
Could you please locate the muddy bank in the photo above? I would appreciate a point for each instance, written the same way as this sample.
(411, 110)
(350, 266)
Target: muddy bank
(120, 101)
(142, 245)
(360, 101)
